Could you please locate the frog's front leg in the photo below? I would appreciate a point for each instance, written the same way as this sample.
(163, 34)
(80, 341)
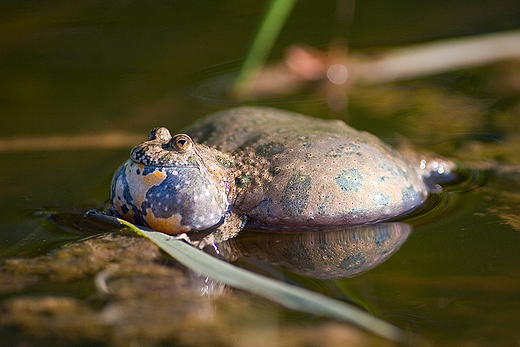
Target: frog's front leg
(229, 228)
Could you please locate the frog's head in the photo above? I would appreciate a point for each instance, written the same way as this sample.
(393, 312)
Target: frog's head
(171, 184)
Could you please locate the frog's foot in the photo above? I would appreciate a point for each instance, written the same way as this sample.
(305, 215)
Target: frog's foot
(228, 229)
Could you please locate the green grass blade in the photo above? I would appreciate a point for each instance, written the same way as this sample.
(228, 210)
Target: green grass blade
(273, 22)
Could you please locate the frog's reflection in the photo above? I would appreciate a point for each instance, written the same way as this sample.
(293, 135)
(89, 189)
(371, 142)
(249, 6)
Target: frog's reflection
(324, 254)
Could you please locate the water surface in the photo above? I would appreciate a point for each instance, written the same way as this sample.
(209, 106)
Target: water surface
(125, 67)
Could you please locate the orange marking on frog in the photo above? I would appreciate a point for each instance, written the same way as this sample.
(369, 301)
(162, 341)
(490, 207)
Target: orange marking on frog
(171, 225)
(128, 216)
(141, 184)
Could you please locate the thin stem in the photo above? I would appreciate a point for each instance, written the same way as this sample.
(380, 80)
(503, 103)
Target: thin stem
(270, 28)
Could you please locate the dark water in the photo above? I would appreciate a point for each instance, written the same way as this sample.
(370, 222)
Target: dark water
(90, 68)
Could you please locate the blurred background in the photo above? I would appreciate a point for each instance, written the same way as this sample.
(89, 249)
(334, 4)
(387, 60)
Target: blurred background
(82, 82)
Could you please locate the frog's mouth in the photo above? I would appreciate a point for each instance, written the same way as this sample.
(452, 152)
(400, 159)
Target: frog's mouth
(152, 165)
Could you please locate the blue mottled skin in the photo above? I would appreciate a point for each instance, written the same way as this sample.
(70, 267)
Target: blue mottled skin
(276, 168)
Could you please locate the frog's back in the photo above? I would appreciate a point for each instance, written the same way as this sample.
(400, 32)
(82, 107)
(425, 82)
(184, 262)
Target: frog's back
(298, 170)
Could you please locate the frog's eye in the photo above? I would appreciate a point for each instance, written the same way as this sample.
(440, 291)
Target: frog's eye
(181, 143)
(161, 133)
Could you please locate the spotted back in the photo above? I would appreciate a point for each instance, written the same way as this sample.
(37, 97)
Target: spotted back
(303, 171)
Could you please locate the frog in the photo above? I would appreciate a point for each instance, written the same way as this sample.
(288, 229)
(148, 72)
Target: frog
(272, 168)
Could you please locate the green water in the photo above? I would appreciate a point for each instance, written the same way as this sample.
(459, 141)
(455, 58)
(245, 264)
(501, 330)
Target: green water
(94, 67)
